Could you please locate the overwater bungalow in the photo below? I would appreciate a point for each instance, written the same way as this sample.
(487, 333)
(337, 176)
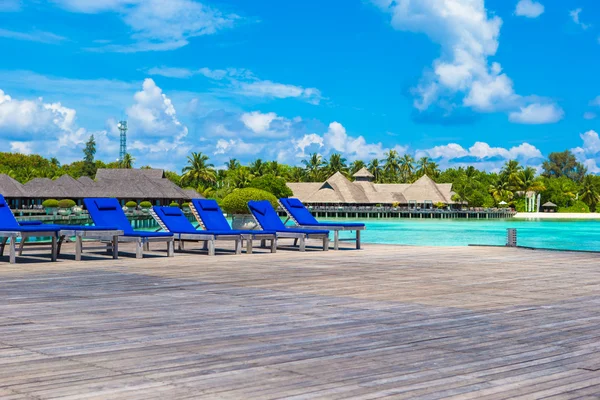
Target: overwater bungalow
(124, 184)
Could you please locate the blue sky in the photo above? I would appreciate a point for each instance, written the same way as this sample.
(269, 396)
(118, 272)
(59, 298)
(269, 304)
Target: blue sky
(461, 81)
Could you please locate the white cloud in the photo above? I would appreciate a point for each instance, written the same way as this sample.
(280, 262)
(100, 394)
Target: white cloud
(257, 121)
(243, 82)
(336, 139)
(589, 152)
(308, 140)
(575, 16)
(154, 115)
(157, 25)
(21, 147)
(468, 36)
(33, 36)
(529, 9)
(589, 115)
(537, 114)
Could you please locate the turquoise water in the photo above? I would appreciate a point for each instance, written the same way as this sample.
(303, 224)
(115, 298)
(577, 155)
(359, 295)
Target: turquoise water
(555, 234)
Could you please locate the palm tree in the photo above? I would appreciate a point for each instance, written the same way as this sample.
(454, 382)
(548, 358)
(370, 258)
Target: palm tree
(314, 167)
(258, 167)
(407, 167)
(425, 166)
(528, 182)
(296, 174)
(241, 177)
(336, 163)
(205, 190)
(376, 169)
(198, 170)
(500, 190)
(392, 164)
(232, 164)
(356, 166)
(127, 161)
(273, 168)
(590, 192)
(511, 171)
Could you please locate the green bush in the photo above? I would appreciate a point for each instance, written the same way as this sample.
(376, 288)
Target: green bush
(50, 203)
(131, 204)
(577, 207)
(237, 201)
(174, 204)
(146, 204)
(185, 205)
(272, 184)
(66, 203)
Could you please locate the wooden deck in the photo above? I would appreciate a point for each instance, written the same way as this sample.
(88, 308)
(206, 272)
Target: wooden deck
(397, 322)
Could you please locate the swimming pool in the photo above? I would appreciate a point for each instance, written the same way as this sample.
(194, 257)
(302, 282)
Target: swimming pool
(552, 234)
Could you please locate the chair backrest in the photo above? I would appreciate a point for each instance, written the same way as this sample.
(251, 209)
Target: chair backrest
(298, 211)
(108, 212)
(211, 215)
(174, 219)
(266, 215)
(7, 219)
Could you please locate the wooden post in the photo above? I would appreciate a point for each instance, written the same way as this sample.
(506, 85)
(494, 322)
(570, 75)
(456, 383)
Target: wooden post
(78, 247)
(336, 240)
(249, 245)
(302, 243)
(139, 246)
(115, 247)
(13, 249)
(171, 248)
(211, 247)
(274, 245)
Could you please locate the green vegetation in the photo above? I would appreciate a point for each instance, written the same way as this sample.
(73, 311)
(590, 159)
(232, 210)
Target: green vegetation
(66, 203)
(272, 184)
(131, 204)
(185, 205)
(237, 201)
(50, 203)
(563, 180)
(577, 207)
(146, 204)
(174, 204)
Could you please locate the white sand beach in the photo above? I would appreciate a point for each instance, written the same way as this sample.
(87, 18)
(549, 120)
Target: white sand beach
(557, 216)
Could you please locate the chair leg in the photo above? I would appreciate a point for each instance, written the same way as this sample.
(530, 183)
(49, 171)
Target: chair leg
(336, 240)
(3, 245)
(357, 240)
(263, 243)
(59, 246)
(170, 248)
(302, 243)
(295, 242)
(78, 247)
(238, 246)
(211, 247)
(147, 246)
(54, 247)
(115, 247)
(274, 245)
(13, 250)
(249, 246)
(22, 244)
(139, 249)
(326, 243)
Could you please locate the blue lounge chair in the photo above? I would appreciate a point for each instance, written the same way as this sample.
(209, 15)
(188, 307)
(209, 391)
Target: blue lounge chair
(266, 218)
(210, 216)
(303, 218)
(11, 229)
(105, 212)
(173, 220)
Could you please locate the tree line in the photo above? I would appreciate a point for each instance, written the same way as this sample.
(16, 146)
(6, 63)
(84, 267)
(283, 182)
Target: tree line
(563, 180)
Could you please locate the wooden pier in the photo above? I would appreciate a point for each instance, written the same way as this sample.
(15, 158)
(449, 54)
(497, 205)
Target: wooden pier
(387, 321)
(391, 213)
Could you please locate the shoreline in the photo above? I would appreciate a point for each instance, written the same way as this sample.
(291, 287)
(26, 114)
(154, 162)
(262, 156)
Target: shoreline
(582, 216)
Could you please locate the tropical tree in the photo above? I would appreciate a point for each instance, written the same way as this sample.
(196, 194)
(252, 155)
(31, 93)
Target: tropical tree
(590, 191)
(258, 167)
(314, 166)
(336, 163)
(391, 165)
(198, 170)
(407, 167)
(376, 169)
(528, 182)
(356, 166)
(512, 174)
(241, 178)
(426, 166)
(127, 161)
(232, 164)
(500, 190)
(564, 164)
(296, 174)
(273, 168)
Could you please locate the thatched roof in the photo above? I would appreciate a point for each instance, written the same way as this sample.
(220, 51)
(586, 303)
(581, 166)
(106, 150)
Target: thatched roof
(10, 187)
(86, 181)
(193, 194)
(129, 173)
(549, 204)
(339, 190)
(363, 173)
(65, 187)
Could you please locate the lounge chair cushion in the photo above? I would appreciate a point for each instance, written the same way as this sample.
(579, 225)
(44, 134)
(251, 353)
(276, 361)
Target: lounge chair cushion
(172, 211)
(175, 223)
(299, 213)
(211, 215)
(110, 213)
(38, 228)
(269, 220)
(106, 204)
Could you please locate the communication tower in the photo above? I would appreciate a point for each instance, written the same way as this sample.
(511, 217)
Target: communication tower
(123, 148)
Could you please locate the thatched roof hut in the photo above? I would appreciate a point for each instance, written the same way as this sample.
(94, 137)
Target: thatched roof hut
(10, 188)
(339, 190)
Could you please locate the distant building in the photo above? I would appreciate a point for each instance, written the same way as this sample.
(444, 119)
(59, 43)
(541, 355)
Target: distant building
(124, 184)
(339, 190)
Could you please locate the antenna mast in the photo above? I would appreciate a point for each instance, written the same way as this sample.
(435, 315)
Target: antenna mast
(123, 148)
